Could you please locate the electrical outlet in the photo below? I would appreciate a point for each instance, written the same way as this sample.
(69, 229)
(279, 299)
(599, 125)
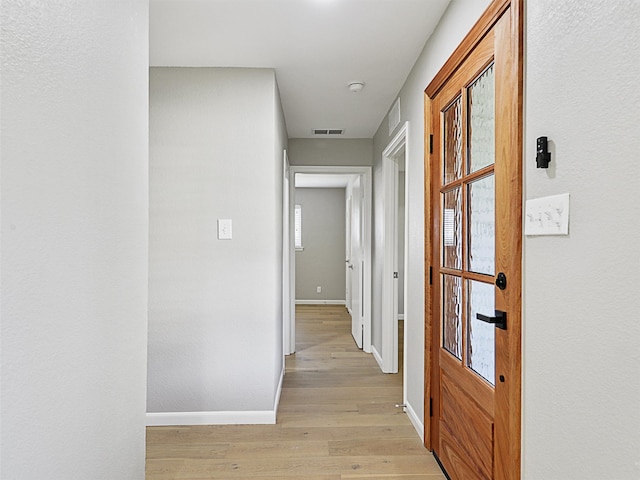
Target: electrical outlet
(318, 289)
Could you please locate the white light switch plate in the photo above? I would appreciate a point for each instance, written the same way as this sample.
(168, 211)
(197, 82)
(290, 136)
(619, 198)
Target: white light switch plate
(547, 215)
(224, 229)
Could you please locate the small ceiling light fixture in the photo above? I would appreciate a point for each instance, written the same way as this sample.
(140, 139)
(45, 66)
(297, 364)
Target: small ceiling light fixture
(355, 87)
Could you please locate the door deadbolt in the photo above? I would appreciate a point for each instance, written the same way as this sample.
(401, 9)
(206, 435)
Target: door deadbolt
(501, 281)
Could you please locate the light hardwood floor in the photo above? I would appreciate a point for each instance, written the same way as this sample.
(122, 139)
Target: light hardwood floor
(337, 420)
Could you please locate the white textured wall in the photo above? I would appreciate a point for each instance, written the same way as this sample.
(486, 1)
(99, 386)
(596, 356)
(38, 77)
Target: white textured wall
(454, 25)
(335, 152)
(215, 306)
(321, 263)
(74, 239)
(581, 302)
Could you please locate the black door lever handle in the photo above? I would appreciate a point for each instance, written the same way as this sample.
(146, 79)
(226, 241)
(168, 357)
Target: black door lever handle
(500, 320)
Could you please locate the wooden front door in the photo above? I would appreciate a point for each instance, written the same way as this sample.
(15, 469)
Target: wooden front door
(475, 184)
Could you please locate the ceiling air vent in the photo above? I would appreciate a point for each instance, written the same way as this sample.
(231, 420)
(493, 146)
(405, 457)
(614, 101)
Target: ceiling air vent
(328, 131)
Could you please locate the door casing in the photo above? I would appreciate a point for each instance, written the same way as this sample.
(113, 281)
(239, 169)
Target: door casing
(367, 185)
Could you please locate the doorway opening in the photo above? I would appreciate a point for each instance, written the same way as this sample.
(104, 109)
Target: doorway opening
(357, 185)
(395, 313)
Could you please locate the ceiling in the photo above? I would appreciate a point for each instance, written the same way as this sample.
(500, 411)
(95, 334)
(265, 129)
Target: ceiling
(317, 47)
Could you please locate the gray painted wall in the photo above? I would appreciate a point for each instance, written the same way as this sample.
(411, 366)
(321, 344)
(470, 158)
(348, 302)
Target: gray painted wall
(74, 222)
(456, 22)
(322, 262)
(334, 152)
(215, 306)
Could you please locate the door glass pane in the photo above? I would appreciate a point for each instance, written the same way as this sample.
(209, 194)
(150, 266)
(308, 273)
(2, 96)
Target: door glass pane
(452, 229)
(481, 227)
(482, 112)
(452, 315)
(452, 157)
(481, 339)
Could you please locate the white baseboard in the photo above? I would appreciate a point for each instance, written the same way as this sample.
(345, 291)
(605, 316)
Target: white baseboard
(256, 417)
(401, 316)
(321, 302)
(415, 421)
(261, 417)
(377, 356)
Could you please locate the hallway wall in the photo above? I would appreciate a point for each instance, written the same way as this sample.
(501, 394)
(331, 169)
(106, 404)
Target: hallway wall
(74, 223)
(215, 306)
(331, 151)
(322, 262)
(581, 322)
(454, 25)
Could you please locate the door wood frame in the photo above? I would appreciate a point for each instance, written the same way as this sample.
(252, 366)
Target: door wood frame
(509, 139)
(389, 354)
(367, 185)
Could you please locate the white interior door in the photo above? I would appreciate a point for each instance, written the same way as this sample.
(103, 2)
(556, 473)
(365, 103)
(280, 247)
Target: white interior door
(355, 264)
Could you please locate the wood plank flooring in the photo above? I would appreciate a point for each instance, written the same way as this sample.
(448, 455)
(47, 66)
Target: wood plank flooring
(337, 420)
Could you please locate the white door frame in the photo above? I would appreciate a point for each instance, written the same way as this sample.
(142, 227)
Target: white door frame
(365, 173)
(389, 332)
(288, 270)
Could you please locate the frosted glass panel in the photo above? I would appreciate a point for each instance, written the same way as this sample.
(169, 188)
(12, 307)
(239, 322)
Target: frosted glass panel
(482, 113)
(452, 315)
(481, 340)
(452, 229)
(481, 228)
(452, 157)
